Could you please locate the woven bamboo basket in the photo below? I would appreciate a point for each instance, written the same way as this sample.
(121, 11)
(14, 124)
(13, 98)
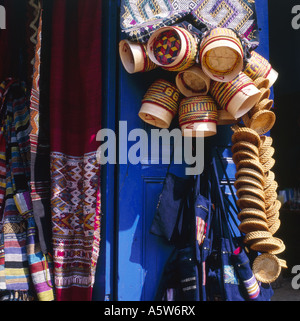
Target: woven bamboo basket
(172, 48)
(253, 224)
(252, 213)
(258, 67)
(160, 104)
(246, 134)
(237, 96)
(262, 121)
(244, 145)
(266, 268)
(250, 172)
(193, 82)
(198, 116)
(221, 54)
(247, 180)
(134, 57)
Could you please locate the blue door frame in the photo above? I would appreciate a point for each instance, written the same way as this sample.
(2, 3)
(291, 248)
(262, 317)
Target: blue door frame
(131, 259)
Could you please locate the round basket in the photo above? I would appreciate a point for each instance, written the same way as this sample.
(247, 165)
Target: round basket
(221, 54)
(134, 57)
(269, 178)
(250, 190)
(253, 224)
(249, 201)
(193, 82)
(258, 67)
(172, 48)
(269, 164)
(252, 213)
(266, 268)
(272, 219)
(265, 104)
(244, 145)
(267, 155)
(225, 118)
(280, 249)
(246, 134)
(275, 207)
(237, 96)
(255, 236)
(266, 245)
(252, 164)
(198, 116)
(160, 104)
(271, 189)
(243, 154)
(247, 180)
(261, 82)
(250, 172)
(275, 227)
(270, 200)
(262, 121)
(264, 94)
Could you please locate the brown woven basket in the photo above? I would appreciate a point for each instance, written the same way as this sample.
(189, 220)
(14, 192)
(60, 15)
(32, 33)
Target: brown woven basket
(266, 142)
(243, 154)
(266, 268)
(250, 172)
(268, 165)
(266, 245)
(252, 213)
(253, 224)
(275, 227)
(281, 247)
(246, 134)
(264, 94)
(269, 178)
(252, 164)
(243, 145)
(247, 201)
(261, 83)
(267, 155)
(247, 180)
(265, 104)
(270, 200)
(273, 208)
(273, 219)
(250, 190)
(262, 121)
(271, 189)
(251, 237)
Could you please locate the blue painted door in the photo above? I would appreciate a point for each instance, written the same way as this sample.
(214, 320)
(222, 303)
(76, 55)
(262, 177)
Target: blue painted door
(132, 259)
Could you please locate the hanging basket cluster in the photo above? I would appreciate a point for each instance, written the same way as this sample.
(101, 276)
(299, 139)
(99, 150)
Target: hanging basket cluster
(217, 80)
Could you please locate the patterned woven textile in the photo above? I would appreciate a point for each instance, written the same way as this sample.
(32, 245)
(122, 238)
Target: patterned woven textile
(75, 105)
(139, 18)
(26, 270)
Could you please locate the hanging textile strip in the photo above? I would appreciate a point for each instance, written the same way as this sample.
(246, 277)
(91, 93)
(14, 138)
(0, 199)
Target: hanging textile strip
(75, 105)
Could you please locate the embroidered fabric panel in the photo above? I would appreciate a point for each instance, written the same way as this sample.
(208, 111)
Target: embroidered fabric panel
(230, 276)
(75, 203)
(139, 18)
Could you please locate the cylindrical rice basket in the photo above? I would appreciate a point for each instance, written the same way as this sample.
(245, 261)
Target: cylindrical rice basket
(172, 48)
(258, 66)
(198, 116)
(237, 96)
(193, 82)
(134, 57)
(221, 54)
(160, 104)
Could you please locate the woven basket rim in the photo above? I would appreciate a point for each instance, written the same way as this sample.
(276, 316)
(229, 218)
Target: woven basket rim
(267, 154)
(268, 122)
(248, 163)
(250, 199)
(262, 104)
(261, 82)
(247, 134)
(275, 226)
(258, 266)
(276, 206)
(249, 155)
(251, 190)
(248, 180)
(269, 178)
(269, 165)
(244, 145)
(250, 172)
(253, 224)
(256, 235)
(252, 214)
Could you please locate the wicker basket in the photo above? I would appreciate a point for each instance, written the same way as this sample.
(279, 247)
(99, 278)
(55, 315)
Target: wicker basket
(266, 268)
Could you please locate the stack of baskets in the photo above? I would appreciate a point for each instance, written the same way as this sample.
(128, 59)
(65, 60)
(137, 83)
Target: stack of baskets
(256, 189)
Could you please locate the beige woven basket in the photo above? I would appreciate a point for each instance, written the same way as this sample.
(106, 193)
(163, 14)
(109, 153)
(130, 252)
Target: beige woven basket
(250, 172)
(266, 268)
(250, 190)
(262, 121)
(268, 165)
(269, 178)
(281, 248)
(244, 145)
(246, 134)
(248, 180)
(266, 142)
(253, 224)
(254, 236)
(275, 207)
(275, 227)
(261, 83)
(267, 155)
(243, 154)
(249, 201)
(252, 213)
(266, 245)
(252, 164)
